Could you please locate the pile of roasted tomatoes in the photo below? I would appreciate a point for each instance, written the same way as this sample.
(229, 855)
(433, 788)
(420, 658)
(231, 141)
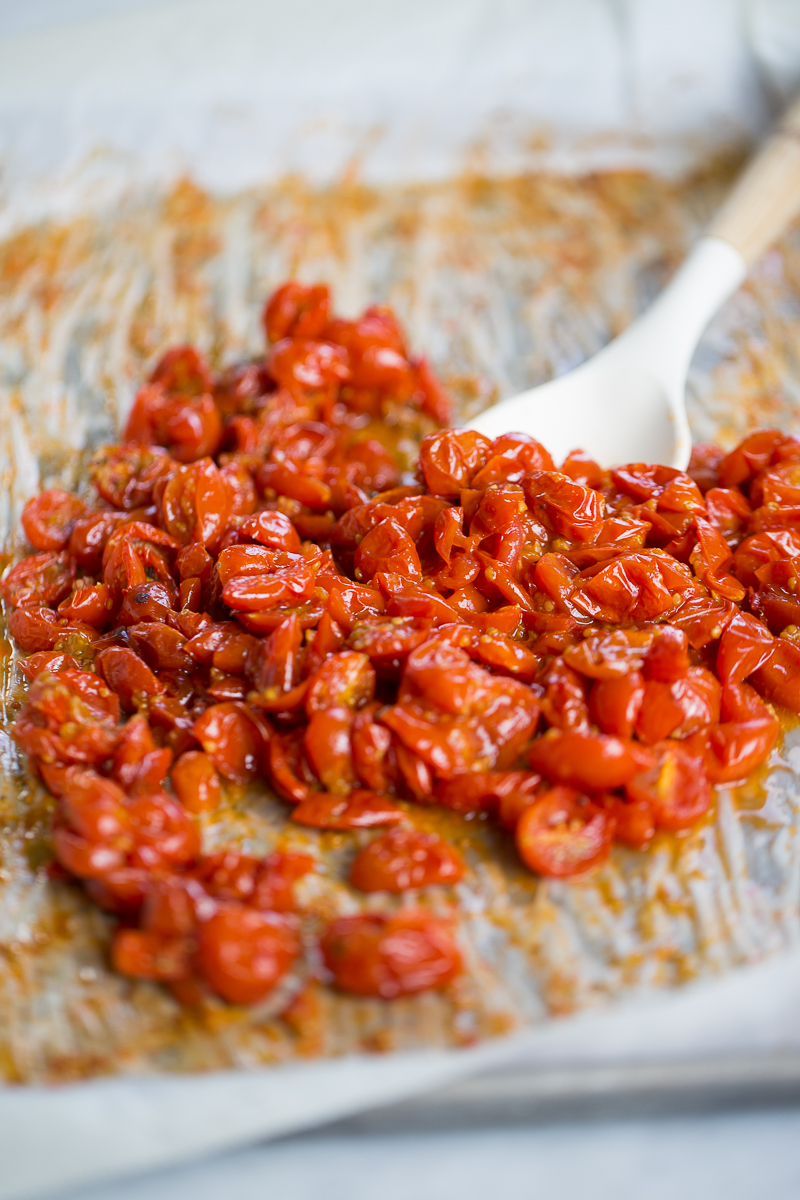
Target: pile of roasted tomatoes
(257, 592)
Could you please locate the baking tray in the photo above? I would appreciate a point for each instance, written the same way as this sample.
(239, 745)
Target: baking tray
(592, 1093)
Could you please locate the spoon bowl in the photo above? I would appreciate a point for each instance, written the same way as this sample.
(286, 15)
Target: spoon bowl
(616, 411)
(627, 403)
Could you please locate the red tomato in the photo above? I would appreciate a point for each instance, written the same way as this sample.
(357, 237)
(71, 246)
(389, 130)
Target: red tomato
(254, 593)
(679, 708)
(232, 740)
(273, 529)
(563, 833)
(564, 702)
(288, 769)
(345, 680)
(778, 679)
(387, 643)
(229, 875)
(431, 396)
(126, 476)
(329, 750)
(48, 519)
(369, 465)
(160, 645)
(403, 859)
(163, 834)
(243, 953)
(391, 956)
(469, 793)
(596, 761)
(84, 858)
(70, 717)
(196, 782)
(745, 646)
(139, 765)
(755, 453)
(173, 906)
(507, 656)
(47, 660)
(189, 428)
(371, 745)
(569, 509)
(583, 469)
(89, 536)
(196, 503)
(183, 370)
(91, 604)
(307, 364)
(95, 808)
(35, 628)
(128, 676)
(512, 457)
(359, 810)
(297, 310)
(144, 955)
(633, 588)
(448, 460)
(387, 547)
(40, 579)
(676, 790)
(703, 465)
(634, 820)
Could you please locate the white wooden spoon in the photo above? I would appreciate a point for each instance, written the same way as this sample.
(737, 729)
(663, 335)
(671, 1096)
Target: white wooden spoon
(627, 404)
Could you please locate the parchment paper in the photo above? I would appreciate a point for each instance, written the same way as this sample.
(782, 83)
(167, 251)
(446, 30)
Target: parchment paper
(239, 93)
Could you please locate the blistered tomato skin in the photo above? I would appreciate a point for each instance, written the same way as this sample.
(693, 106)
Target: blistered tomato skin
(48, 519)
(232, 739)
(196, 782)
(564, 833)
(261, 594)
(403, 859)
(244, 953)
(389, 957)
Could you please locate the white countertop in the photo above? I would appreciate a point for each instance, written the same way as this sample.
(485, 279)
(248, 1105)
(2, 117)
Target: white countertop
(738, 1156)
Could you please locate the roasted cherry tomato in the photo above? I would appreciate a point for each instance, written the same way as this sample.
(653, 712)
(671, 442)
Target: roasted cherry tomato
(564, 833)
(676, 789)
(126, 476)
(391, 956)
(575, 655)
(196, 782)
(297, 310)
(403, 859)
(48, 519)
(243, 953)
(232, 739)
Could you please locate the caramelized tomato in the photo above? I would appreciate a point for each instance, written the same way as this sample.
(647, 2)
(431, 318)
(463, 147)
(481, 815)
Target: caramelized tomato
(391, 956)
(403, 859)
(577, 656)
(244, 953)
(564, 833)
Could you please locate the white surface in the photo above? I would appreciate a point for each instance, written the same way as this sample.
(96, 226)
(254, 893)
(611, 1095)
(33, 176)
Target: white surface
(628, 401)
(240, 90)
(752, 1156)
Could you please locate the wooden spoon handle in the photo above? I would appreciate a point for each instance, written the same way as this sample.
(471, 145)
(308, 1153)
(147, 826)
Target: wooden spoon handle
(767, 194)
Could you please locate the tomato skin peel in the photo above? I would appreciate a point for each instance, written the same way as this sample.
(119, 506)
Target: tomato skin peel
(258, 593)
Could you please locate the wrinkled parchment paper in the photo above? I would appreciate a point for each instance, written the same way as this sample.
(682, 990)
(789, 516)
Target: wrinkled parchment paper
(504, 286)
